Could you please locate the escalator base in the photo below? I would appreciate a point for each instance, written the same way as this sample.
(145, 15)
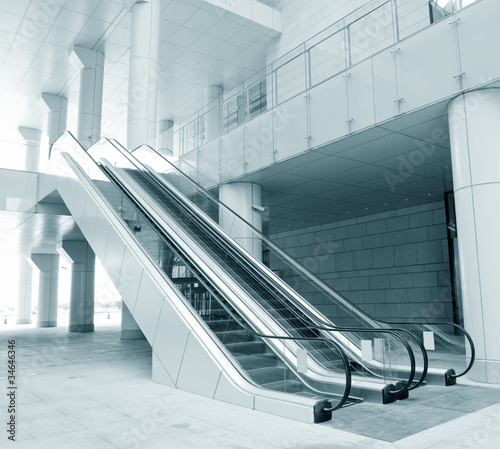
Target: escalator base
(319, 414)
(388, 397)
(449, 378)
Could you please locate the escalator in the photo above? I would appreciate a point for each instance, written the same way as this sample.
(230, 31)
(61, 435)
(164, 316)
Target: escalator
(386, 379)
(276, 340)
(291, 319)
(257, 354)
(451, 348)
(245, 342)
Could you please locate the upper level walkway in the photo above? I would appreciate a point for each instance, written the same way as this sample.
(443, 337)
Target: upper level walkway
(359, 74)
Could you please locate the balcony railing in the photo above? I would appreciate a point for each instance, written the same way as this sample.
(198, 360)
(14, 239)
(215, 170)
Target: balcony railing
(376, 26)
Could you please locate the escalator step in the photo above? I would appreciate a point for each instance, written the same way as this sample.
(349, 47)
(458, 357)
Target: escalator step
(286, 386)
(252, 347)
(249, 362)
(269, 374)
(227, 337)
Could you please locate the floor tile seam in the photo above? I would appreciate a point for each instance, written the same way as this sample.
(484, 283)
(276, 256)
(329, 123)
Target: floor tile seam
(97, 431)
(362, 426)
(59, 432)
(457, 408)
(109, 442)
(325, 432)
(358, 418)
(123, 414)
(252, 435)
(61, 413)
(48, 437)
(27, 431)
(443, 437)
(495, 408)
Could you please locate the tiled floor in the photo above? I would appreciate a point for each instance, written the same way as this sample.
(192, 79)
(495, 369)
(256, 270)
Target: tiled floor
(79, 391)
(426, 407)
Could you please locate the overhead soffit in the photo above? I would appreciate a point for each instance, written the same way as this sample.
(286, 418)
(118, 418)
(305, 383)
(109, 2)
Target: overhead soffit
(384, 168)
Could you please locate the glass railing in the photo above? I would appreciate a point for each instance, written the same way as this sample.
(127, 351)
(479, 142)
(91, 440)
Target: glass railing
(449, 346)
(447, 342)
(374, 27)
(265, 358)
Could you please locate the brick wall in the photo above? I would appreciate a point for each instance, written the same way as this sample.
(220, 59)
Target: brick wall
(391, 265)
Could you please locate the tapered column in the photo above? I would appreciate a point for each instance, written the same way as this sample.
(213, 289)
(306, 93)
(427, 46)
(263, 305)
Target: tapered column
(164, 126)
(165, 141)
(24, 290)
(82, 259)
(32, 139)
(474, 120)
(241, 109)
(130, 329)
(143, 72)
(213, 97)
(245, 199)
(91, 66)
(57, 114)
(47, 266)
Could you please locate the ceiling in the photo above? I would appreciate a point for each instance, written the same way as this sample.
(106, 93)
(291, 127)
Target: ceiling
(200, 45)
(387, 167)
(24, 233)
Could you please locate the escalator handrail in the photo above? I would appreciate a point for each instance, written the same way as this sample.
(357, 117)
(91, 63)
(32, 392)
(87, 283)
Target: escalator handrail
(392, 331)
(231, 312)
(411, 356)
(323, 325)
(269, 242)
(134, 161)
(455, 326)
(313, 320)
(323, 285)
(337, 348)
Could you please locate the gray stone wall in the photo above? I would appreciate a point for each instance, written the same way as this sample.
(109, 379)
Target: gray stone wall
(391, 265)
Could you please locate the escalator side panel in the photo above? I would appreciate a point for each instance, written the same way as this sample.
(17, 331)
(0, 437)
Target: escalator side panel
(188, 336)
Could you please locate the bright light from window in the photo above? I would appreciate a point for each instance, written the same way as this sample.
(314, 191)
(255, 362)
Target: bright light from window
(447, 4)
(8, 272)
(12, 155)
